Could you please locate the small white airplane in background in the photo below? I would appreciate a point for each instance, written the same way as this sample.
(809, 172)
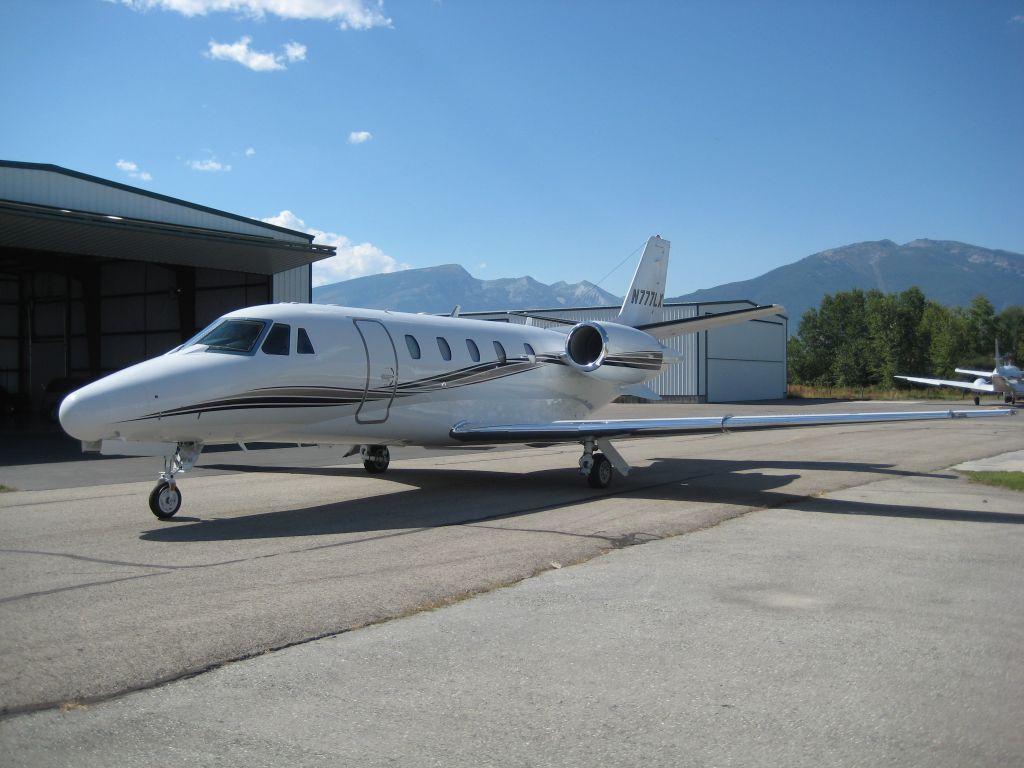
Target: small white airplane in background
(1004, 379)
(305, 373)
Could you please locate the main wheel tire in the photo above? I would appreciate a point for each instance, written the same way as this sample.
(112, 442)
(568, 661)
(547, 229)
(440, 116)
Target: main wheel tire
(601, 472)
(977, 400)
(378, 460)
(165, 500)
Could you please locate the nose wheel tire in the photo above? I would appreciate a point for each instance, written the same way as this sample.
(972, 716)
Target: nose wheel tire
(165, 500)
(601, 472)
(377, 460)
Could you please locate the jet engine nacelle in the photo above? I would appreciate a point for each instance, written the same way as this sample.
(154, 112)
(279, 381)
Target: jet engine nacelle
(614, 353)
(980, 382)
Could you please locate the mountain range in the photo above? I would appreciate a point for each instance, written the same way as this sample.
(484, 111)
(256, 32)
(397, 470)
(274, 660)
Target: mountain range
(949, 272)
(440, 289)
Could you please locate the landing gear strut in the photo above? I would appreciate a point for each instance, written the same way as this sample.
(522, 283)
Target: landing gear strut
(165, 500)
(597, 467)
(375, 458)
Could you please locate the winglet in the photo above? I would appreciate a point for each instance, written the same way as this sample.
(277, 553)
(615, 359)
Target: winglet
(647, 291)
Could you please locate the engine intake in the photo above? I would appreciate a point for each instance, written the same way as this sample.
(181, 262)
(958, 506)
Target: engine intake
(613, 352)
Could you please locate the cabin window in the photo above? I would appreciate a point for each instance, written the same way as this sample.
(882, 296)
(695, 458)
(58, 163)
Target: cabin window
(474, 350)
(500, 352)
(445, 349)
(303, 345)
(278, 340)
(414, 347)
(233, 336)
(529, 351)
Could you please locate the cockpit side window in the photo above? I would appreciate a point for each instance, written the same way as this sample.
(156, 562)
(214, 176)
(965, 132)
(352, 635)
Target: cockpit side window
(278, 341)
(303, 345)
(232, 336)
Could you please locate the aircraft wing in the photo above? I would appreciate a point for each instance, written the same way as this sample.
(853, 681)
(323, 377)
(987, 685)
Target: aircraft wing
(972, 372)
(575, 431)
(669, 328)
(968, 385)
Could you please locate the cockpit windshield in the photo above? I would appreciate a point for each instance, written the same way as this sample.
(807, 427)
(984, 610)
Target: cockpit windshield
(232, 336)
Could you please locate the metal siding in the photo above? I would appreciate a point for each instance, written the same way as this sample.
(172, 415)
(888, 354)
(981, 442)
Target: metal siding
(57, 190)
(737, 380)
(746, 361)
(293, 285)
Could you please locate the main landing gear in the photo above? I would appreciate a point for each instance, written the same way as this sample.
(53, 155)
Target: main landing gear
(597, 467)
(165, 500)
(376, 458)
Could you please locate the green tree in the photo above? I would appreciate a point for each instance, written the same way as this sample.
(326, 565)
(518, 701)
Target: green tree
(1010, 330)
(950, 338)
(982, 316)
(832, 342)
(897, 341)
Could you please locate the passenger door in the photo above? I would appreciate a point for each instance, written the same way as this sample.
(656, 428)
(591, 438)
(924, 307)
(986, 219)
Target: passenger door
(381, 372)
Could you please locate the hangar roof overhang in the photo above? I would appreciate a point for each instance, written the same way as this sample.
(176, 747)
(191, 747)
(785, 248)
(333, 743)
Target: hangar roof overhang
(39, 228)
(46, 208)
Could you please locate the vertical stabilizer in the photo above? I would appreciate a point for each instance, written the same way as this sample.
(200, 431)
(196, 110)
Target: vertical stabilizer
(647, 291)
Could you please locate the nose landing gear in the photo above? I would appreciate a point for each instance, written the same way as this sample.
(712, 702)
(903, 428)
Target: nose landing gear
(165, 500)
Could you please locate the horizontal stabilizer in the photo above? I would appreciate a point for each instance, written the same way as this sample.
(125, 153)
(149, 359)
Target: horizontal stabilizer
(575, 431)
(669, 328)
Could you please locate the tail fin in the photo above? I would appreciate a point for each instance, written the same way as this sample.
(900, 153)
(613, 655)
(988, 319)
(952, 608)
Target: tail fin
(647, 291)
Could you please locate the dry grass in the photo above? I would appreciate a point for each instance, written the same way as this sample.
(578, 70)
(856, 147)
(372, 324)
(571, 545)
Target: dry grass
(803, 391)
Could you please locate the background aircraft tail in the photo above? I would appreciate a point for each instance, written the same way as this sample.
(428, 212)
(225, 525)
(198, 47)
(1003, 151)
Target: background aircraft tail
(647, 291)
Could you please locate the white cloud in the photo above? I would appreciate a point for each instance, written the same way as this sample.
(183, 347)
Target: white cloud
(250, 152)
(295, 51)
(348, 14)
(257, 61)
(1017, 20)
(359, 137)
(353, 259)
(210, 165)
(132, 169)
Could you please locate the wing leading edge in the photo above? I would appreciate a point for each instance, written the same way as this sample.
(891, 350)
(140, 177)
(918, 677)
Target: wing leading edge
(574, 431)
(970, 386)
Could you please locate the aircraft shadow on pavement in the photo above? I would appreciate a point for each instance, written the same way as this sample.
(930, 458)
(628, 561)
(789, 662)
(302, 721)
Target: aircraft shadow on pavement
(440, 498)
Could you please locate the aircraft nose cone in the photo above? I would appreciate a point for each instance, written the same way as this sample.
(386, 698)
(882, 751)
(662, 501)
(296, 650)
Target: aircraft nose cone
(83, 415)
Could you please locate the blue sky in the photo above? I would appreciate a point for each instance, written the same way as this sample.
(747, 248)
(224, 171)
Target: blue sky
(545, 138)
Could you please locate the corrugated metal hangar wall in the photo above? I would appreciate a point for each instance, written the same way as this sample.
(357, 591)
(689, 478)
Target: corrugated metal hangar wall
(96, 275)
(737, 363)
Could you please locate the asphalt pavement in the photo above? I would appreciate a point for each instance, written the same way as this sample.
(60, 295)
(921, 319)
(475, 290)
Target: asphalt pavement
(806, 597)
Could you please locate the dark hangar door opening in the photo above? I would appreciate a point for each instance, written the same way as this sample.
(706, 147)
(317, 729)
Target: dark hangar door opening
(66, 319)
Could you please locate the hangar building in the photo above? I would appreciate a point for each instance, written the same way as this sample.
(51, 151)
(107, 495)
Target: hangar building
(97, 275)
(746, 361)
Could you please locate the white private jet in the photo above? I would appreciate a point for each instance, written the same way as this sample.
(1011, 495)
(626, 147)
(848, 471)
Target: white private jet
(308, 373)
(1004, 379)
